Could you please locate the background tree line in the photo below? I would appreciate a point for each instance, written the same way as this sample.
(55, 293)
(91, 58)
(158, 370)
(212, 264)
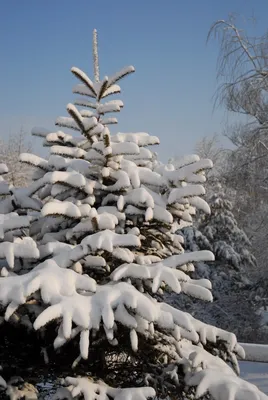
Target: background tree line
(237, 187)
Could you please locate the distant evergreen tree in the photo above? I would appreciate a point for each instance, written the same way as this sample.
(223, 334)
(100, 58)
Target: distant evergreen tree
(219, 232)
(228, 242)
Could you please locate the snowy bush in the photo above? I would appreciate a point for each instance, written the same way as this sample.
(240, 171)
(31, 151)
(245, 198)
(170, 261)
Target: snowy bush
(90, 246)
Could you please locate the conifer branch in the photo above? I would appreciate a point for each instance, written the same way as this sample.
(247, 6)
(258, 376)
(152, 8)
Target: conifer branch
(103, 87)
(121, 74)
(84, 78)
(74, 113)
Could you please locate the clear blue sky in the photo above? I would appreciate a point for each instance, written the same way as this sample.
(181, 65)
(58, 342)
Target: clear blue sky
(170, 95)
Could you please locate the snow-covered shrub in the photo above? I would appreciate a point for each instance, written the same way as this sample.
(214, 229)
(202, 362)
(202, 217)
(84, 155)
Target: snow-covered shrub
(90, 247)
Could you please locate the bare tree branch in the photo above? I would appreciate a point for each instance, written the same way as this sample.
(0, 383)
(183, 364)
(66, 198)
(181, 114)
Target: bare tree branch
(242, 68)
(19, 174)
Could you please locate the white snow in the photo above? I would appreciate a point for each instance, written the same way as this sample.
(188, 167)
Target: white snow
(65, 208)
(3, 169)
(224, 386)
(34, 160)
(255, 352)
(176, 195)
(68, 151)
(141, 138)
(92, 390)
(107, 240)
(85, 79)
(255, 373)
(20, 248)
(12, 221)
(177, 280)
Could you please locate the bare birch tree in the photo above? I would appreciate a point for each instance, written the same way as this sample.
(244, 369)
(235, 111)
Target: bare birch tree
(242, 72)
(242, 69)
(211, 147)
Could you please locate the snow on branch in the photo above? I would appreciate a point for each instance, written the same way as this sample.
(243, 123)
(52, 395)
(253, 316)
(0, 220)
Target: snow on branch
(83, 102)
(88, 126)
(139, 197)
(114, 89)
(67, 122)
(141, 138)
(12, 221)
(189, 173)
(223, 385)
(108, 240)
(83, 90)
(53, 282)
(20, 199)
(35, 161)
(179, 260)
(84, 124)
(3, 169)
(117, 148)
(87, 114)
(186, 160)
(121, 74)
(177, 195)
(109, 304)
(95, 243)
(110, 106)
(65, 208)
(71, 152)
(143, 155)
(140, 175)
(100, 222)
(69, 179)
(62, 138)
(20, 248)
(41, 132)
(91, 390)
(177, 280)
(60, 163)
(108, 121)
(200, 204)
(99, 89)
(85, 79)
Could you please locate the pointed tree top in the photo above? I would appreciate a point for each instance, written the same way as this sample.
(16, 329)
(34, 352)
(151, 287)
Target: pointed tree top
(96, 56)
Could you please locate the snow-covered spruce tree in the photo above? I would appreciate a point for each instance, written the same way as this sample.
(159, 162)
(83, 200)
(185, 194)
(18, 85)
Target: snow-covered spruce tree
(103, 216)
(228, 242)
(229, 274)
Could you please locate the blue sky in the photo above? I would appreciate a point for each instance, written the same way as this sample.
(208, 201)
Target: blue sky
(170, 95)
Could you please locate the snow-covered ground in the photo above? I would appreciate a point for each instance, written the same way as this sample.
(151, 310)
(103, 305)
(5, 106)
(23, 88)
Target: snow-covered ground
(256, 373)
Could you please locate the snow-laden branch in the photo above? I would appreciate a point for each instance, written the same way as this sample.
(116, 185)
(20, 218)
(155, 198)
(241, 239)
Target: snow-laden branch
(221, 385)
(90, 390)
